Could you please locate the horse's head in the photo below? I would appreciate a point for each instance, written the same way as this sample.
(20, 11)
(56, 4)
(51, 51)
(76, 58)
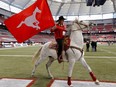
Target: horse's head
(76, 25)
(79, 25)
(37, 10)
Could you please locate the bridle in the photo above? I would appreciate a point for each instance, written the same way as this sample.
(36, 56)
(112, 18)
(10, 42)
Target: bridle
(70, 30)
(79, 26)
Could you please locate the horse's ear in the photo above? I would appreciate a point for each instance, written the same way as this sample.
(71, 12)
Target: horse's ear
(75, 20)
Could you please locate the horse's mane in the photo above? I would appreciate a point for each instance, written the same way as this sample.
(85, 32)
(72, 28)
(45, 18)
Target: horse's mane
(80, 23)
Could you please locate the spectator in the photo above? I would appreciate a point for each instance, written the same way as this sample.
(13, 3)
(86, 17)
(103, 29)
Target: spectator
(1, 44)
(95, 45)
(92, 45)
(87, 46)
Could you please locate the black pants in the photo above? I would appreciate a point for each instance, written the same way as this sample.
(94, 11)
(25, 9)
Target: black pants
(87, 48)
(60, 46)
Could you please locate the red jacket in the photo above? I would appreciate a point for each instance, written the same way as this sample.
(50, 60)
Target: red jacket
(58, 31)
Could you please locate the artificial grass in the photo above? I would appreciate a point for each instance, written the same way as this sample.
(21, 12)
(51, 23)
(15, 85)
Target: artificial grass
(21, 67)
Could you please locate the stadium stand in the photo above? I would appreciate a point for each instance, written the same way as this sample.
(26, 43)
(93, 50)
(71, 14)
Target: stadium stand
(42, 38)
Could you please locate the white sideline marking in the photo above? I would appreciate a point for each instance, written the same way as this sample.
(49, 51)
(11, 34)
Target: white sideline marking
(100, 57)
(63, 83)
(12, 48)
(17, 55)
(14, 82)
(88, 57)
(108, 51)
(15, 48)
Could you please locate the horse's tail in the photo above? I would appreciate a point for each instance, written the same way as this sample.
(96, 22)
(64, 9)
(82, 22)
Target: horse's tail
(20, 24)
(34, 58)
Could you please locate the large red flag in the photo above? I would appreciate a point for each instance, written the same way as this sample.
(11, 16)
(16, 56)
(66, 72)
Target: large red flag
(30, 21)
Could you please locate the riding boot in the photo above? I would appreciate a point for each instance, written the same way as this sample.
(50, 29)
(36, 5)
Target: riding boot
(59, 42)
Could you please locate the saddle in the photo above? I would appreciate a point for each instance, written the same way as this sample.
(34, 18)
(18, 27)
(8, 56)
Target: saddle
(66, 45)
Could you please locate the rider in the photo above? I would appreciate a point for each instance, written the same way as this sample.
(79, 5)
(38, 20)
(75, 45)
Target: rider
(58, 33)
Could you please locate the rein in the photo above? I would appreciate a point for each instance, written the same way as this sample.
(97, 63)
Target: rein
(77, 48)
(74, 47)
(79, 26)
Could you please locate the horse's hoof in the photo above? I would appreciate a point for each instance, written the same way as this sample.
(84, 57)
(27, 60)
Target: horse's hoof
(32, 75)
(97, 82)
(70, 85)
(50, 77)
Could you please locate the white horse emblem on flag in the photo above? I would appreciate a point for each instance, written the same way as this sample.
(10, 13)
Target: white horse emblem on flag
(31, 21)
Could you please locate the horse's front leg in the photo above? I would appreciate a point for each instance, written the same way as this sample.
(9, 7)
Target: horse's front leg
(70, 70)
(84, 63)
(35, 25)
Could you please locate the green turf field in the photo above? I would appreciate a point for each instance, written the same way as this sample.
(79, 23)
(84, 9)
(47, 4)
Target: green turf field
(17, 63)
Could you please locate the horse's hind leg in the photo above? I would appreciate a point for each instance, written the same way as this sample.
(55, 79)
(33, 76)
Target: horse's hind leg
(42, 58)
(84, 63)
(20, 24)
(50, 61)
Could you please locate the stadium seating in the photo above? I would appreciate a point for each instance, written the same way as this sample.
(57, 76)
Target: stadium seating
(42, 38)
(100, 27)
(108, 37)
(5, 36)
(107, 28)
(1, 19)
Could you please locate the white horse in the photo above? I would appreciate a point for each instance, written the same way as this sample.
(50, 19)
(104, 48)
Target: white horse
(75, 53)
(31, 21)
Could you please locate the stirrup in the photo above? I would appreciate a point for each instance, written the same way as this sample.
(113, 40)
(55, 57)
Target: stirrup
(60, 60)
